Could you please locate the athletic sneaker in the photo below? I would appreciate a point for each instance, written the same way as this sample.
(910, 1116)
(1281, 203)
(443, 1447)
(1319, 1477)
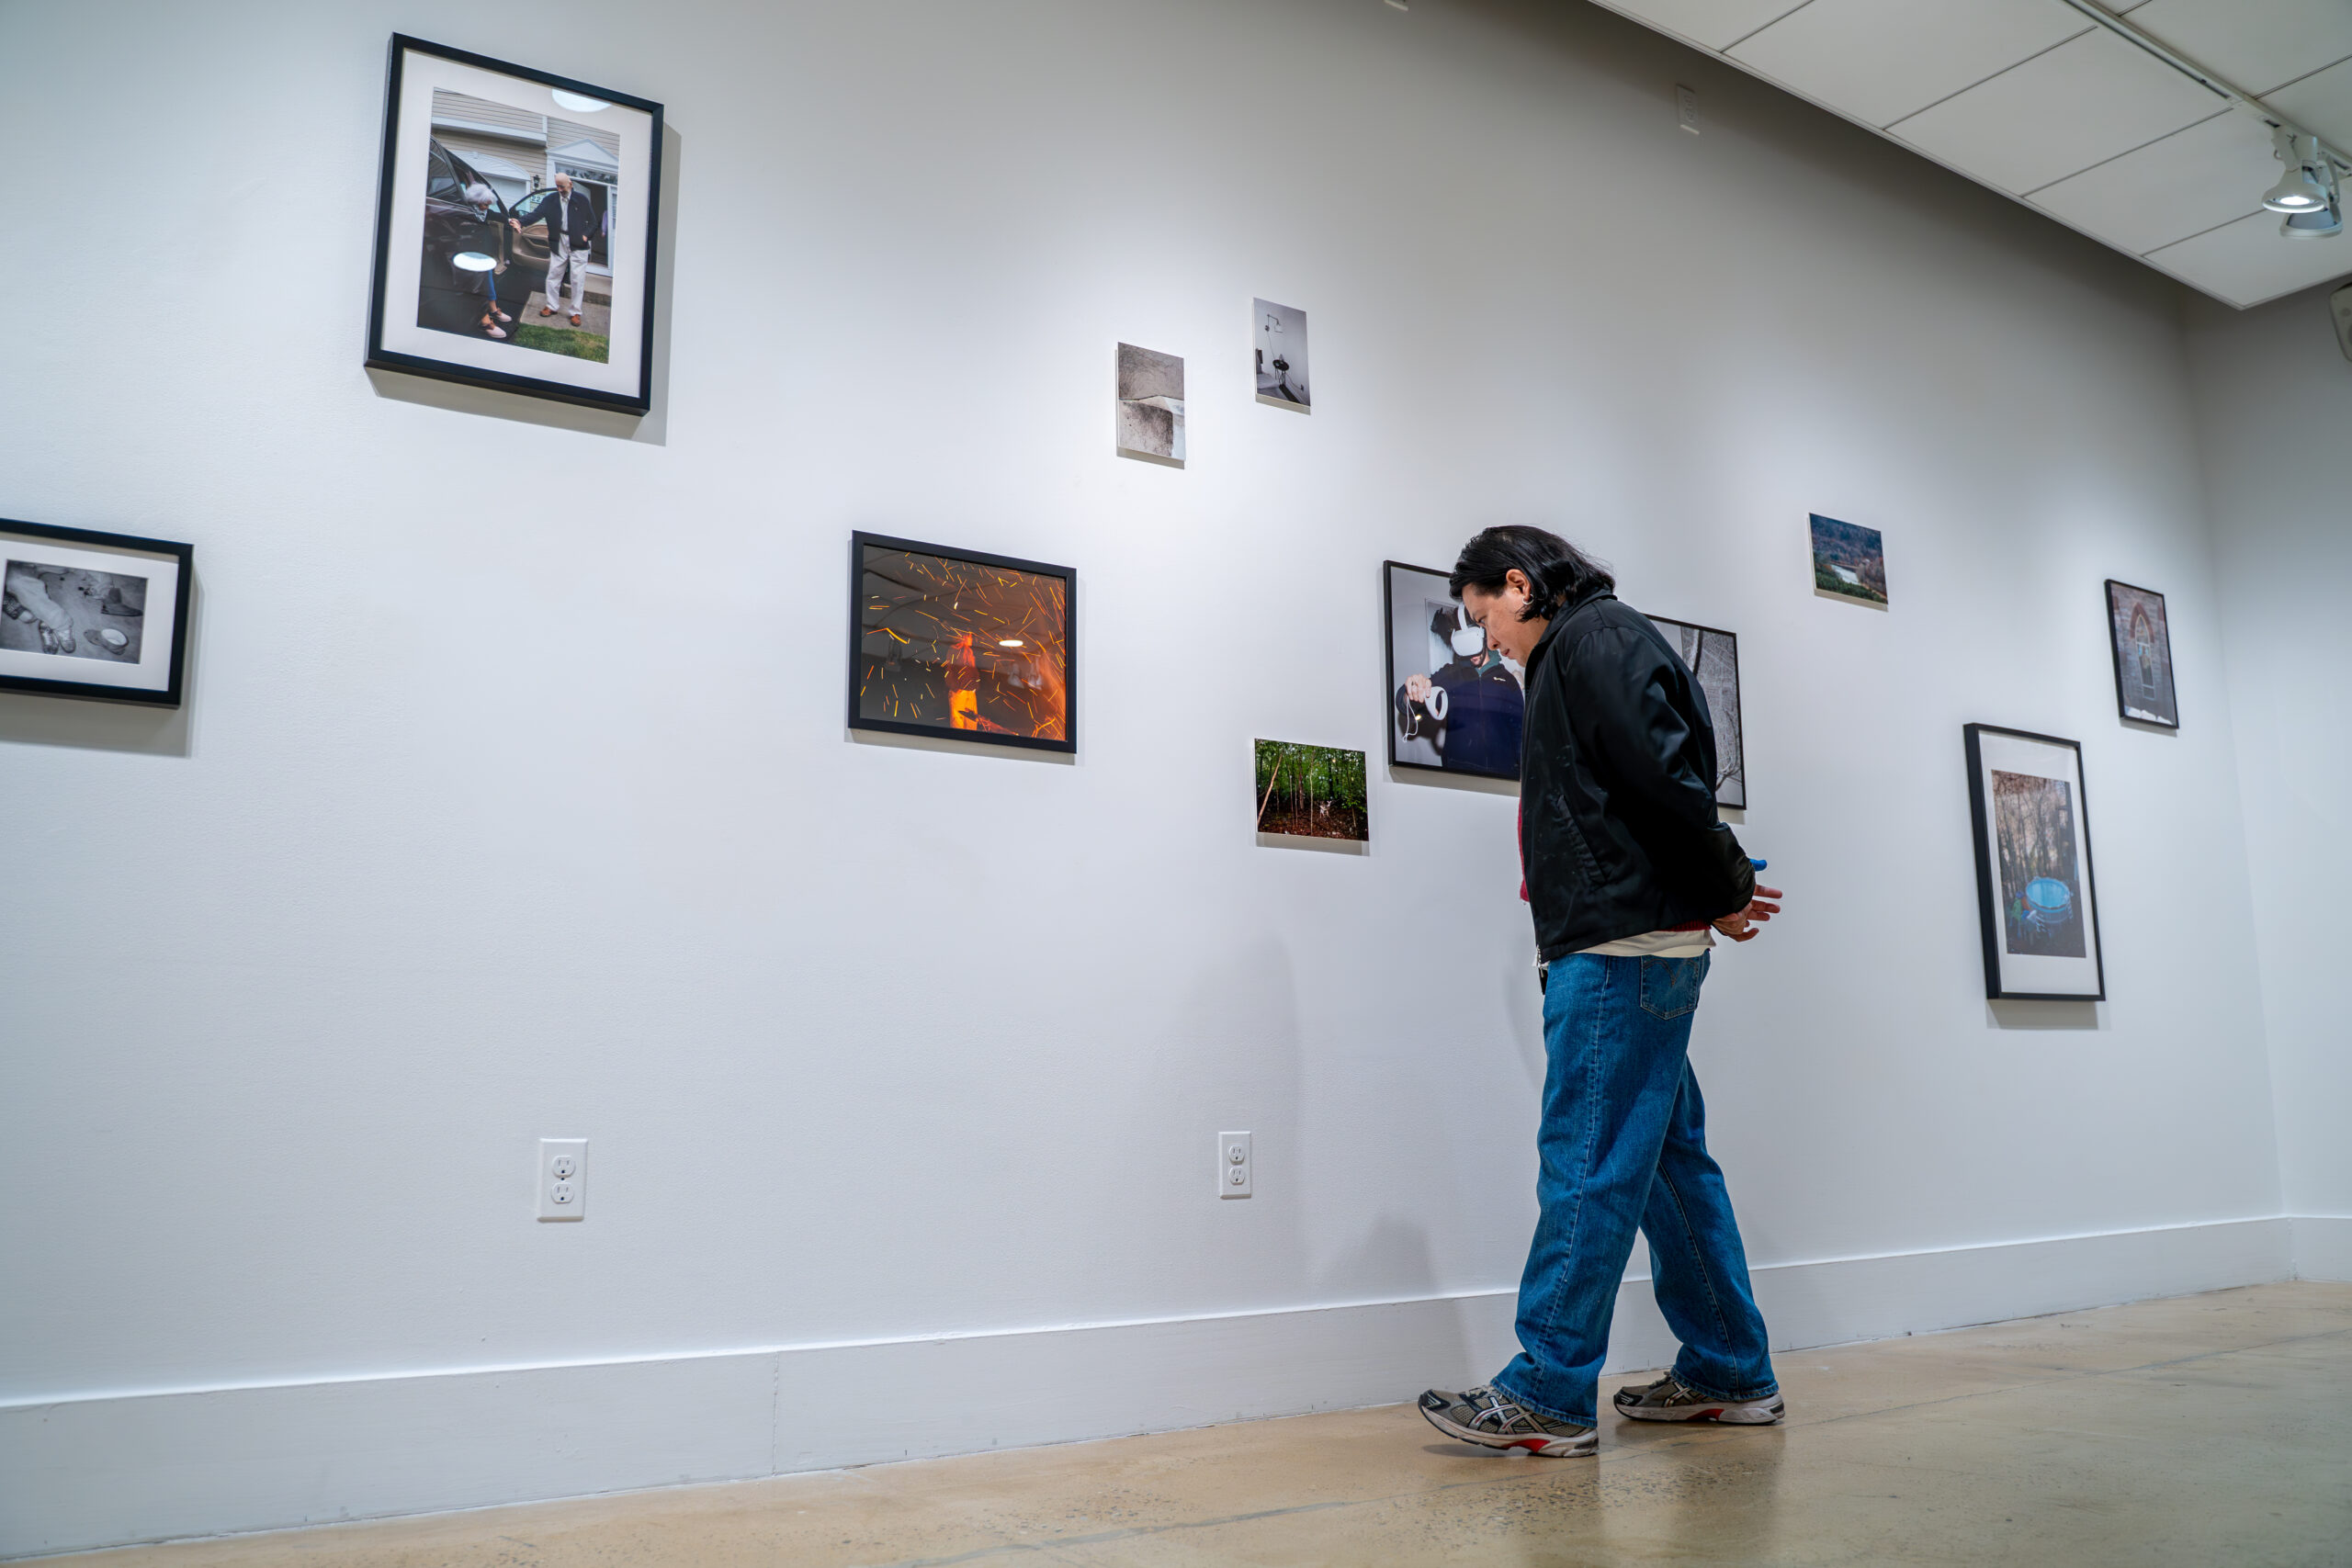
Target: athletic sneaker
(1493, 1419)
(1669, 1399)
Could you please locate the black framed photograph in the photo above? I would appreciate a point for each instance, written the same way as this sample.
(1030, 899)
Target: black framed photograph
(1454, 705)
(91, 615)
(514, 229)
(2035, 893)
(1713, 656)
(959, 643)
(2142, 639)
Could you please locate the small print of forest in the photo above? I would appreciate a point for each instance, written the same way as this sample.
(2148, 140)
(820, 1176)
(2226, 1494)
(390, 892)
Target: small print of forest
(1311, 792)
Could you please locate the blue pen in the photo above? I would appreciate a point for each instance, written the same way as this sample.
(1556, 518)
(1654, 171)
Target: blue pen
(1756, 864)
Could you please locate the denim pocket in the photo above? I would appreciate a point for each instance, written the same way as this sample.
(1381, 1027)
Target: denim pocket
(1671, 985)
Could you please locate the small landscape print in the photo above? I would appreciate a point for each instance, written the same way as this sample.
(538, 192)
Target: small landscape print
(72, 612)
(1848, 560)
(1312, 792)
(2042, 892)
(1281, 356)
(962, 645)
(519, 211)
(1151, 405)
(2143, 687)
(1714, 661)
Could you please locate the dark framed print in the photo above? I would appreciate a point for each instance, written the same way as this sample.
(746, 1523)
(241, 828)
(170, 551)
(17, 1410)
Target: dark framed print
(514, 229)
(1454, 705)
(1712, 657)
(963, 644)
(90, 615)
(2035, 893)
(2141, 638)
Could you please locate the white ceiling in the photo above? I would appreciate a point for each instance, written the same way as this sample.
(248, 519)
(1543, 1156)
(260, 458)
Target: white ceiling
(2040, 102)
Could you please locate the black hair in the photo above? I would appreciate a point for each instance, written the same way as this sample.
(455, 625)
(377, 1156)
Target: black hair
(1557, 570)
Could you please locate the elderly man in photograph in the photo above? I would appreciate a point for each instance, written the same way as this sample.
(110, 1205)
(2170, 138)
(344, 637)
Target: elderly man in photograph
(571, 234)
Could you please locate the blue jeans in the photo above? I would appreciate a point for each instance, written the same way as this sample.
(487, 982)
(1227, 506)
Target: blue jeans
(1623, 1145)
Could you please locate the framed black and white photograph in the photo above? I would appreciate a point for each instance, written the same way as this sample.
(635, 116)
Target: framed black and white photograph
(1712, 657)
(90, 615)
(962, 643)
(514, 229)
(2142, 639)
(2036, 896)
(1454, 705)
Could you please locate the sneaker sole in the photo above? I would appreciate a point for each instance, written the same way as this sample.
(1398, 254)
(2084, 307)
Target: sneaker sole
(1728, 1414)
(1546, 1447)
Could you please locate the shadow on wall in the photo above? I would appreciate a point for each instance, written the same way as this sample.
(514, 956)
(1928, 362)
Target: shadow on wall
(31, 720)
(2014, 1013)
(1233, 1050)
(651, 429)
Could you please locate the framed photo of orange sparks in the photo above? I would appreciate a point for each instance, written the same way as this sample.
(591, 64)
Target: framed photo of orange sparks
(957, 643)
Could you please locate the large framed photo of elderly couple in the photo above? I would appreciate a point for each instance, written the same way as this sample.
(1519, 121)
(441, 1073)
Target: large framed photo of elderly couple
(515, 229)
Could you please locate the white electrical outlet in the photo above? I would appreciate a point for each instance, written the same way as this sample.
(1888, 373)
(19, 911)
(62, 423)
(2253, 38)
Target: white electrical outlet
(1686, 109)
(563, 1179)
(1233, 1172)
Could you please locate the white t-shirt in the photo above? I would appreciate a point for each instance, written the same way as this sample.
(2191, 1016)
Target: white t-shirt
(1652, 944)
(1657, 944)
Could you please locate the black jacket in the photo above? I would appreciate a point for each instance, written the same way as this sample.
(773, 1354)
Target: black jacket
(1619, 834)
(576, 214)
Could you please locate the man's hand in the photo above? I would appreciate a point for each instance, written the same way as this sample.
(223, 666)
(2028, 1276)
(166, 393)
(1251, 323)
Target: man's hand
(1417, 688)
(1740, 926)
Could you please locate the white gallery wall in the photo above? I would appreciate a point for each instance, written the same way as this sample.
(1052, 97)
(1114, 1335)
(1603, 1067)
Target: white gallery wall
(2275, 396)
(513, 797)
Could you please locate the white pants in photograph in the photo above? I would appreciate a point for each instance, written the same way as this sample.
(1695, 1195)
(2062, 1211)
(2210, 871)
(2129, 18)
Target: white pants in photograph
(577, 262)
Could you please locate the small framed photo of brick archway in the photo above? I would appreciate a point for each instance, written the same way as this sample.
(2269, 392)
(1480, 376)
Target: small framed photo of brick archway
(91, 615)
(516, 224)
(2142, 639)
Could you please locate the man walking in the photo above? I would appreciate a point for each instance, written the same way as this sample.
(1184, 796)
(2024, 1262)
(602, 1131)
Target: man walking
(571, 233)
(1628, 873)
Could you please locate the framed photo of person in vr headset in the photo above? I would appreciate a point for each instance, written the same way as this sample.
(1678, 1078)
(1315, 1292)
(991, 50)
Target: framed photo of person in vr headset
(1454, 705)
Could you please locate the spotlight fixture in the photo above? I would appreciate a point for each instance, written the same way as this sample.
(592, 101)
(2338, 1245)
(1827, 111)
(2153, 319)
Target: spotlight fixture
(2324, 224)
(2302, 188)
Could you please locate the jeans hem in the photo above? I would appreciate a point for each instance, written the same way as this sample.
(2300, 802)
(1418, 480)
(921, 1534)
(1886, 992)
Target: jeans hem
(1545, 1411)
(1765, 1391)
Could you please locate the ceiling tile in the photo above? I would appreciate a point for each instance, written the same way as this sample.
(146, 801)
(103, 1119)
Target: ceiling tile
(1718, 24)
(2321, 105)
(2057, 114)
(2249, 261)
(2191, 181)
(1880, 60)
(2254, 44)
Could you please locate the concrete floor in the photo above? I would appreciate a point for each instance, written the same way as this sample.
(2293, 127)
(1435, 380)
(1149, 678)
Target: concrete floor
(2204, 1430)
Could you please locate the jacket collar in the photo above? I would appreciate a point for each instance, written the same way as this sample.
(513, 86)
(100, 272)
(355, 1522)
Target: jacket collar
(1552, 627)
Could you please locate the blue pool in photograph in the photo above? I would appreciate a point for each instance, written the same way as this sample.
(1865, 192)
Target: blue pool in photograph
(2048, 902)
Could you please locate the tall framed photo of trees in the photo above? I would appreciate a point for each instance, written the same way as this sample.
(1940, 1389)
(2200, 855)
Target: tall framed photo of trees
(515, 229)
(2037, 899)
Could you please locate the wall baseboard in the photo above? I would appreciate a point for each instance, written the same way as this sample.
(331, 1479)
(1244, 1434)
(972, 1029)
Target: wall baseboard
(118, 1469)
(2323, 1247)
